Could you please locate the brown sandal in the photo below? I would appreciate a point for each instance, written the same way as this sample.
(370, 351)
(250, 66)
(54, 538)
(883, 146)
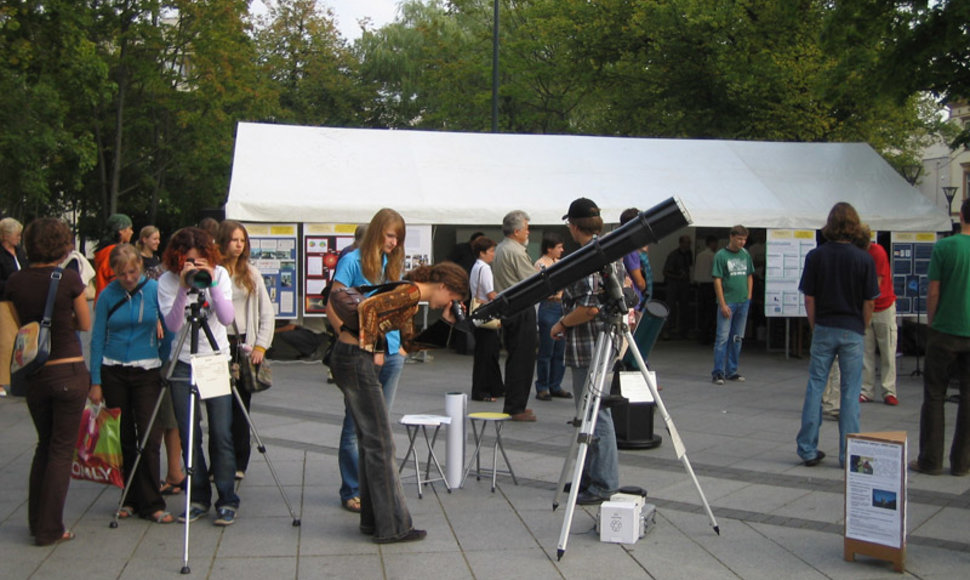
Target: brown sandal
(169, 488)
(161, 517)
(352, 505)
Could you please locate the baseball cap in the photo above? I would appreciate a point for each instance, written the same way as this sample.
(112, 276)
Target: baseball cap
(582, 208)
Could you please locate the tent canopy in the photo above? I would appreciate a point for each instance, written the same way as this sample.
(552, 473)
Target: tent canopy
(318, 174)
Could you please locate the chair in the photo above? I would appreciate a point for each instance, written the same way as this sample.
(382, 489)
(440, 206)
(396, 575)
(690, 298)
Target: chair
(414, 424)
(483, 419)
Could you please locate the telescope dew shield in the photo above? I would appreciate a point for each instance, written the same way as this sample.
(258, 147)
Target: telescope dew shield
(649, 227)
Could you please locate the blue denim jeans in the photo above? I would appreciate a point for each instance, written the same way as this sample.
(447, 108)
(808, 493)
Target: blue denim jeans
(550, 365)
(219, 412)
(827, 342)
(383, 509)
(602, 458)
(728, 337)
(389, 376)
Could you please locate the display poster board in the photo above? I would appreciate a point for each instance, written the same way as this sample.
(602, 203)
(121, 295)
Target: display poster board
(273, 253)
(322, 244)
(785, 252)
(875, 496)
(417, 247)
(910, 267)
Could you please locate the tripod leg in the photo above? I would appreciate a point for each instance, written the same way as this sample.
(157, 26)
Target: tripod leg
(566, 465)
(262, 451)
(592, 393)
(189, 474)
(134, 467)
(671, 429)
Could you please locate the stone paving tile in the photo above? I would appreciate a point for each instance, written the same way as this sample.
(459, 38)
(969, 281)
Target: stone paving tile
(777, 518)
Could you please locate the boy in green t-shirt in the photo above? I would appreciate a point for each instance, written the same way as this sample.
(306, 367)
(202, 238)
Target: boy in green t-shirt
(733, 273)
(947, 342)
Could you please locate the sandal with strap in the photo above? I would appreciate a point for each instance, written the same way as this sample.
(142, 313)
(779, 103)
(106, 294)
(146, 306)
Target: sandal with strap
(169, 488)
(352, 505)
(126, 512)
(160, 517)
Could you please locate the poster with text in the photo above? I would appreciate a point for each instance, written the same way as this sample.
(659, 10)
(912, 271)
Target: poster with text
(322, 244)
(273, 253)
(785, 253)
(910, 267)
(874, 491)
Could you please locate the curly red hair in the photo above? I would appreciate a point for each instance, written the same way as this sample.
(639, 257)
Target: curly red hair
(186, 239)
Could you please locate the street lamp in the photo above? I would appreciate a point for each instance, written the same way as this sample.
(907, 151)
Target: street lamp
(495, 68)
(949, 192)
(911, 173)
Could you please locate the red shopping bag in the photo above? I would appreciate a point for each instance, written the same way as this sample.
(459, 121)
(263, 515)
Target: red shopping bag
(97, 455)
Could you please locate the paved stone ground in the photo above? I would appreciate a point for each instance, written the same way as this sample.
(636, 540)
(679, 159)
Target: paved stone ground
(777, 518)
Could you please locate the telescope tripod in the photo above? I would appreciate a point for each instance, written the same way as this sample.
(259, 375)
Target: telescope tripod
(605, 354)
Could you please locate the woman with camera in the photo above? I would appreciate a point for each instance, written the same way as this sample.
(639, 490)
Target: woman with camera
(56, 393)
(384, 514)
(253, 324)
(192, 276)
(379, 259)
(125, 371)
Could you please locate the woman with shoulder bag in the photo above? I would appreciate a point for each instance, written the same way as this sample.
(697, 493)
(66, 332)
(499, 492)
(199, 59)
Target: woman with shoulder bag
(252, 327)
(55, 393)
(193, 276)
(379, 259)
(384, 514)
(125, 371)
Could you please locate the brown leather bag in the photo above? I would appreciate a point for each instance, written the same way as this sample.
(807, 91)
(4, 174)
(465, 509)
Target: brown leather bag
(391, 307)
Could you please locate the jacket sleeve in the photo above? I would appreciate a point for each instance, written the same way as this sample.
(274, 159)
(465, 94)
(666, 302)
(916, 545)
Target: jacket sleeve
(98, 335)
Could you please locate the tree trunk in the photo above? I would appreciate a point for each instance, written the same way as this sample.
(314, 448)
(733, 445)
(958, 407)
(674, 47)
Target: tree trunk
(119, 130)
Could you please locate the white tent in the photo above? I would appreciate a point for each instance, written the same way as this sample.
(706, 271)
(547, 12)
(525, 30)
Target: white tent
(318, 174)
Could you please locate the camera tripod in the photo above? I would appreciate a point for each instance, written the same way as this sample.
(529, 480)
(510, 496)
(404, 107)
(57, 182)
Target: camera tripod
(195, 321)
(613, 335)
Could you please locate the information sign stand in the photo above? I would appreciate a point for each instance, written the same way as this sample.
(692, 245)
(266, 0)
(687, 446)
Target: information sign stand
(875, 497)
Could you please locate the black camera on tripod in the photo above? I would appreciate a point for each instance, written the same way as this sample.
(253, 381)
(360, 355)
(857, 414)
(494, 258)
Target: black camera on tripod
(197, 278)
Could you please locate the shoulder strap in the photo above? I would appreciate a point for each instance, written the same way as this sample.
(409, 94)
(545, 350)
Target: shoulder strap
(127, 297)
(51, 296)
(377, 289)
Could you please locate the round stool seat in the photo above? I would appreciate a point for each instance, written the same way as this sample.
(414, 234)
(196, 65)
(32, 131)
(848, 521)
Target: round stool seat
(490, 416)
(427, 420)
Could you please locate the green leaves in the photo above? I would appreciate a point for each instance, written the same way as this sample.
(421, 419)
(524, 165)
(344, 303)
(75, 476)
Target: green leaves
(131, 105)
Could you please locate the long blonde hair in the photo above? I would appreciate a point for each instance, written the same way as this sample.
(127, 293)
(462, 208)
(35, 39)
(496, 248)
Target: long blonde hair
(371, 254)
(240, 270)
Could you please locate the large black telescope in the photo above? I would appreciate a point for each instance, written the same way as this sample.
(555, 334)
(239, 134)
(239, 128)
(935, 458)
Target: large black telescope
(649, 227)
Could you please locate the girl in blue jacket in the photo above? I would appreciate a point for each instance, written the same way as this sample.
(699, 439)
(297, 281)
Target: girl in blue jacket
(126, 373)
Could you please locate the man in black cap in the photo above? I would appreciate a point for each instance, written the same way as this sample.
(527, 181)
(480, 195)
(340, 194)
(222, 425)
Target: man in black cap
(579, 327)
(512, 265)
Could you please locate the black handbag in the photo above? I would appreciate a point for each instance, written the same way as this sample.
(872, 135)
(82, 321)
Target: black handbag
(32, 346)
(250, 377)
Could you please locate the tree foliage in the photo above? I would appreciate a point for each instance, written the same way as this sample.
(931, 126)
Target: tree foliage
(131, 105)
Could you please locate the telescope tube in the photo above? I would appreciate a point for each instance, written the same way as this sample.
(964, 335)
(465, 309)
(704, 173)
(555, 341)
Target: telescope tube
(649, 227)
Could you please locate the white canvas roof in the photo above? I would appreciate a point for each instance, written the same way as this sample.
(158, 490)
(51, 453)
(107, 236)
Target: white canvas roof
(287, 173)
